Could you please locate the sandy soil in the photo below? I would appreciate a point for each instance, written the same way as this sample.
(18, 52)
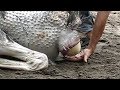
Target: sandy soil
(103, 64)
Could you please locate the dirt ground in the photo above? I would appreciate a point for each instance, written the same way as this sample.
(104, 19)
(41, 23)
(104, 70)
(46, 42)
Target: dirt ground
(103, 64)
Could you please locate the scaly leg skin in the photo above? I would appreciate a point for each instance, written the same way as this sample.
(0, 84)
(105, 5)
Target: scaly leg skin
(30, 60)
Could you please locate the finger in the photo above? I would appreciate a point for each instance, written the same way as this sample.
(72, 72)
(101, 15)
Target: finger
(71, 58)
(68, 57)
(77, 57)
(74, 58)
(81, 54)
(85, 58)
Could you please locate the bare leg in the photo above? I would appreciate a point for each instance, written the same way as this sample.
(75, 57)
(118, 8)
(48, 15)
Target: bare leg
(30, 60)
(89, 34)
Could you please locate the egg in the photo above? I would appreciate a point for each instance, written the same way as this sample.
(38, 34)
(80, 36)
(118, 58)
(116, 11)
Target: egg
(74, 50)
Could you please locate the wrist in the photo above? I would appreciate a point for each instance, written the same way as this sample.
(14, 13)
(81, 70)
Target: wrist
(91, 48)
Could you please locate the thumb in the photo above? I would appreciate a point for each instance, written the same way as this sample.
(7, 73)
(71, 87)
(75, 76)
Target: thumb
(85, 58)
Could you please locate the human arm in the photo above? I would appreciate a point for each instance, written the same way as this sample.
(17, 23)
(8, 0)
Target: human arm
(98, 29)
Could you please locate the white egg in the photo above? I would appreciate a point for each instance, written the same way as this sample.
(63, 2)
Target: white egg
(75, 50)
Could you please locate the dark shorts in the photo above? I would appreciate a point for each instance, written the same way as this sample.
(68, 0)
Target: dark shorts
(87, 21)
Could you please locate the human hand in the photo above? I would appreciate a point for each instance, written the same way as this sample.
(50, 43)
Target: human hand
(83, 55)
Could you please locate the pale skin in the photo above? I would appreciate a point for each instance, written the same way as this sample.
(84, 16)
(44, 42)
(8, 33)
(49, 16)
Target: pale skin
(95, 35)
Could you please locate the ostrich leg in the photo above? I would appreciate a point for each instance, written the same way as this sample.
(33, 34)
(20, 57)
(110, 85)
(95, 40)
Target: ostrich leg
(29, 60)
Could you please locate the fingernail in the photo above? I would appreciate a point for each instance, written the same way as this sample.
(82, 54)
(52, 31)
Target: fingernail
(85, 61)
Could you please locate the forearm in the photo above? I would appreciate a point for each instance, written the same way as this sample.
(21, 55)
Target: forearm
(98, 28)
